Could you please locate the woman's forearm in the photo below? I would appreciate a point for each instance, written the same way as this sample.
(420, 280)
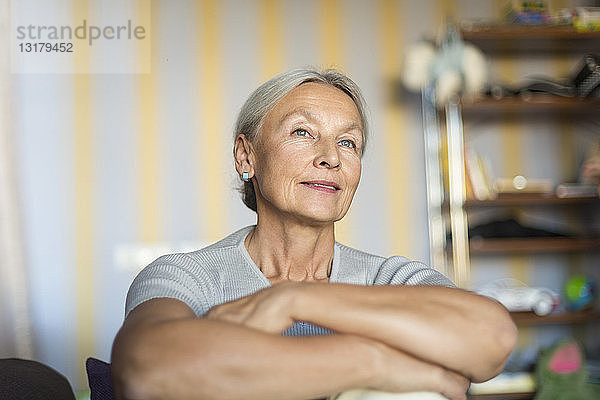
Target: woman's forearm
(459, 330)
(199, 358)
(164, 352)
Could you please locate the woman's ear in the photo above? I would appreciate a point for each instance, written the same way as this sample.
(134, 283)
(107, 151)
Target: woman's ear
(243, 152)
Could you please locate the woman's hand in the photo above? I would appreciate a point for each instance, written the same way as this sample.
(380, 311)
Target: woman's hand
(268, 310)
(401, 372)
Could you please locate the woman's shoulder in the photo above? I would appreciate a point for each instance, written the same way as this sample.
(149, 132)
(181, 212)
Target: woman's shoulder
(228, 243)
(355, 266)
(204, 258)
(348, 252)
(394, 270)
(196, 278)
(360, 256)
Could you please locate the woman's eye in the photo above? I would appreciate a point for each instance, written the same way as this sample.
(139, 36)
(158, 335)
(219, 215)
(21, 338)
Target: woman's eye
(302, 132)
(348, 143)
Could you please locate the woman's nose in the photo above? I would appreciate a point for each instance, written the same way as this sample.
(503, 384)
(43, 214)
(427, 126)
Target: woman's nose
(327, 155)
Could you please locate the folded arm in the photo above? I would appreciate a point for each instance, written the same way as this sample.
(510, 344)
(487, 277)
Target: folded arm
(457, 329)
(164, 352)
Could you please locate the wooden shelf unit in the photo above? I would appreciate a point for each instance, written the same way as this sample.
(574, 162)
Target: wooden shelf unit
(536, 103)
(576, 317)
(532, 245)
(512, 41)
(511, 37)
(530, 39)
(531, 199)
(502, 396)
(519, 32)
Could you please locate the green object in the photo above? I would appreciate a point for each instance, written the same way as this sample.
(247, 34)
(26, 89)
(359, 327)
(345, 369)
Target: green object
(561, 374)
(580, 292)
(82, 395)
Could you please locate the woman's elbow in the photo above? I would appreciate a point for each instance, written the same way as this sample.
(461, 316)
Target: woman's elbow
(129, 373)
(502, 339)
(136, 369)
(129, 383)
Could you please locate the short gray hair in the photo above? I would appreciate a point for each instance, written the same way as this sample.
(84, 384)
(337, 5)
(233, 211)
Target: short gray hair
(264, 98)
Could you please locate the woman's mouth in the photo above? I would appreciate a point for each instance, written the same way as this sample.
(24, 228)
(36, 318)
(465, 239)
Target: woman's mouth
(323, 186)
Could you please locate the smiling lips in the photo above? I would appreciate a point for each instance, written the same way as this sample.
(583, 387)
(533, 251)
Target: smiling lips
(322, 186)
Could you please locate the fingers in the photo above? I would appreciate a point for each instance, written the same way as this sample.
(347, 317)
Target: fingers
(264, 310)
(452, 385)
(402, 372)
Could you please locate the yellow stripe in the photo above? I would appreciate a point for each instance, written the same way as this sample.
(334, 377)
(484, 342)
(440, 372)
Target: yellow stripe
(332, 53)
(84, 195)
(519, 266)
(500, 6)
(513, 154)
(557, 4)
(562, 67)
(331, 49)
(511, 135)
(151, 211)
(212, 121)
(271, 35)
(525, 338)
(395, 133)
(445, 11)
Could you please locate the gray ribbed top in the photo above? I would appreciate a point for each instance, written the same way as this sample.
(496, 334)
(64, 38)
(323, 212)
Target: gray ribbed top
(224, 272)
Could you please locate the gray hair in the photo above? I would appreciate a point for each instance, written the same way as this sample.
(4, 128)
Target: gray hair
(264, 98)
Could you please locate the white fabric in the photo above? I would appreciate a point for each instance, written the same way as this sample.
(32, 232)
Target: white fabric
(363, 394)
(15, 336)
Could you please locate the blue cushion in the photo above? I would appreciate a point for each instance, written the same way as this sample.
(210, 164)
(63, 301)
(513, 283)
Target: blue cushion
(99, 379)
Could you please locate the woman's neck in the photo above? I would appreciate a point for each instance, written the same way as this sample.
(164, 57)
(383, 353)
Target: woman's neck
(287, 251)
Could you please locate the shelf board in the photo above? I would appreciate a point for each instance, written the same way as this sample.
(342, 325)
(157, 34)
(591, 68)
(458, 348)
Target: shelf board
(518, 32)
(530, 318)
(501, 396)
(523, 38)
(530, 199)
(537, 103)
(531, 245)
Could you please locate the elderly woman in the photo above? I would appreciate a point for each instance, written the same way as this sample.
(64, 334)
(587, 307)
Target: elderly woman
(280, 310)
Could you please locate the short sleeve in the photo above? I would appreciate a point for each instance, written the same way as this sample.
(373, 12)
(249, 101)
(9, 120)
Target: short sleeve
(176, 276)
(401, 271)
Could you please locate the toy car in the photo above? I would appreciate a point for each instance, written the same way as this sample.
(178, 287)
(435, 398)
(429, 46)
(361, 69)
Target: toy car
(516, 296)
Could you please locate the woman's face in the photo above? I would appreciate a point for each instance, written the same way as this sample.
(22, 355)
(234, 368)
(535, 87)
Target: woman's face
(308, 163)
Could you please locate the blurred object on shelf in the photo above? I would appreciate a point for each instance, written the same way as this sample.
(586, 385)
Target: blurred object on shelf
(561, 374)
(584, 82)
(520, 184)
(543, 85)
(517, 296)
(478, 176)
(537, 13)
(450, 66)
(508, 228)
(564, 16)
(581, 292)
(532, 87)
(506, 382)
(587, 19)
(586, 79)
(590, 170)
(569, 190)
(527, 13)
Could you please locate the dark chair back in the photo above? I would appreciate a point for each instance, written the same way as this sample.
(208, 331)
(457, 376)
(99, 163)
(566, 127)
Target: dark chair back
(30, 380)
(99, 379)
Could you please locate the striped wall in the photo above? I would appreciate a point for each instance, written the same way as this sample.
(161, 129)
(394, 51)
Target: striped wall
(112, 159)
